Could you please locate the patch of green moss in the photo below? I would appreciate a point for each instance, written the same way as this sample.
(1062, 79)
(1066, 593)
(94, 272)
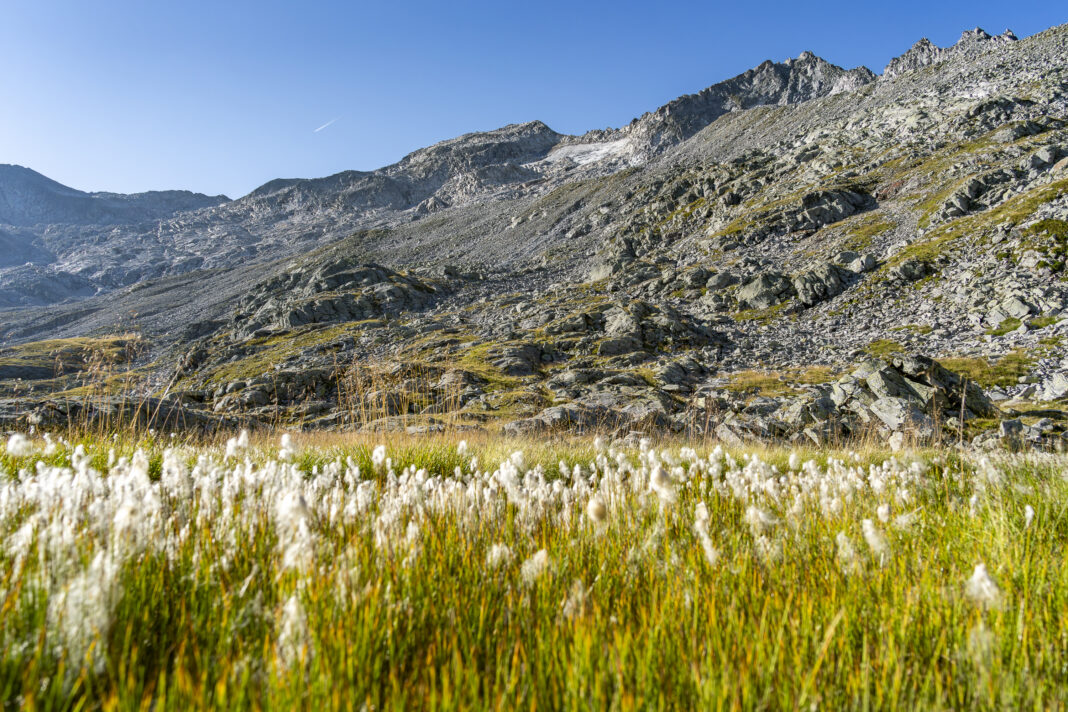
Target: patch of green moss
(761, 383)
(884, 348)
(761, 316)
(918, 329)
(1042, 322)
(1050, 238)
(1009, 325)
(1013, 211)
(270, 351)
(861, 236)
(75, 354)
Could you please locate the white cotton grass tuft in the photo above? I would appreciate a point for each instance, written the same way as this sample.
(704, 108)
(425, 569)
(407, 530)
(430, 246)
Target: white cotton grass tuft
(499, 555)
(847, 555)
(534, 567)
(700, 527)
(795, 461)
(596, 509)
(883, 512)
(759, 521)
(461, 448)
(516, 458)
(82, 611)
(875, 539)
(1029, 516)
(18, 445)
(236, 445)
(378, 457)
(576, 604)
(293, 522)
(981, 588)
(660, 482)
(294, 638)
(287, 449)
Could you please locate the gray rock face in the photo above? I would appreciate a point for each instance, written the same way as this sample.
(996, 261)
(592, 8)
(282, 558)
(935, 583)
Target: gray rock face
(1056, 387)
(824, 282)
(912, 270)
(695, 224)
(336, 292)
(789, 82)
(925, 53)
(766, 290)
(285, 216)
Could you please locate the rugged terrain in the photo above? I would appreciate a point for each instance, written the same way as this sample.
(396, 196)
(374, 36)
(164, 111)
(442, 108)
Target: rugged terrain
(800, 253)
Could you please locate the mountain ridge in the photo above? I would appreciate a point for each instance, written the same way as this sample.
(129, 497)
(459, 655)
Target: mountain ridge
(287, 214)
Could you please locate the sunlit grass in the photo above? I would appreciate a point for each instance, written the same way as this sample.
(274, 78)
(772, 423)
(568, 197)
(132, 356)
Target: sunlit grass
(181, 580)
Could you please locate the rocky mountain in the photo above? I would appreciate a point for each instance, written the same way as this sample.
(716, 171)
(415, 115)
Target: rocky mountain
(925, 53)
(73, 236)
(44, 223)
(27, 198)
(790, 82)
(802, 253)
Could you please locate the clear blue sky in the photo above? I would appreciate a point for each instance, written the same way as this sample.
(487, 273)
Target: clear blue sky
(222, 96)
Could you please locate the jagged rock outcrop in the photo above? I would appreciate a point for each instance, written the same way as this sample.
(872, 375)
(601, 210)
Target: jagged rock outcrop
(342, 291)
(775, 83)
(925, 53)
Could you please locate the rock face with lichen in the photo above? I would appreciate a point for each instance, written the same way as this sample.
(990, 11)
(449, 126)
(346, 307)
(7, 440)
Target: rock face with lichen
(800, 253)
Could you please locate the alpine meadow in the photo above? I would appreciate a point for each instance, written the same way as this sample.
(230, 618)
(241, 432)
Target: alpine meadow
(757, 402)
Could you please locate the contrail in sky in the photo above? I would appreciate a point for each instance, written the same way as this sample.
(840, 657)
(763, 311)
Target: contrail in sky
(325, 125)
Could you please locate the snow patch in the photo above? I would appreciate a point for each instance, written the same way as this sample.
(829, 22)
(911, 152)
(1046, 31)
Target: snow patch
(585, 153)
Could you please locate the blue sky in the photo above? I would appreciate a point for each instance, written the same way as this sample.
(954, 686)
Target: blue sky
(220, 97)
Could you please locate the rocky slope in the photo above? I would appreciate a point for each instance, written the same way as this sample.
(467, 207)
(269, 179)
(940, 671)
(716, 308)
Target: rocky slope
(75, 236)
(802, 253)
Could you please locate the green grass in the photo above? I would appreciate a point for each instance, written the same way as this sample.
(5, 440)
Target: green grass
(861, 236)
(762, 316)
(1002, 372)
(884, 348)
(1042, 322)
(918, 329)
(219, 604)
(72, 354)
(270, 351)
(778, 383)
(1009, 325)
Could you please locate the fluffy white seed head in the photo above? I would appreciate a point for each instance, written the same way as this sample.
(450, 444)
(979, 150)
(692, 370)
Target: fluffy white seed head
(596, 509)
(378, 457)
(499, 555)
(981, 588)
(884, 513)
(18, 445)
(795, 461)
(874, 537)
(535, 567)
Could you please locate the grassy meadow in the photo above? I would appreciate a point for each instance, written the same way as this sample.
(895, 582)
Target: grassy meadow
(398, 573)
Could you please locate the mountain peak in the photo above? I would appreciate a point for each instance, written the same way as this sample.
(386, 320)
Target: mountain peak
(925, 53)
(769, 83)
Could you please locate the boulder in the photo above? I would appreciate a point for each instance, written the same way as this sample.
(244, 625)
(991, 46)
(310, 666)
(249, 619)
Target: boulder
(1055, 387)
(862, 264)
(824, 282)
(901, 414)
(764, 291)
(721, 280)
(912, 270)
